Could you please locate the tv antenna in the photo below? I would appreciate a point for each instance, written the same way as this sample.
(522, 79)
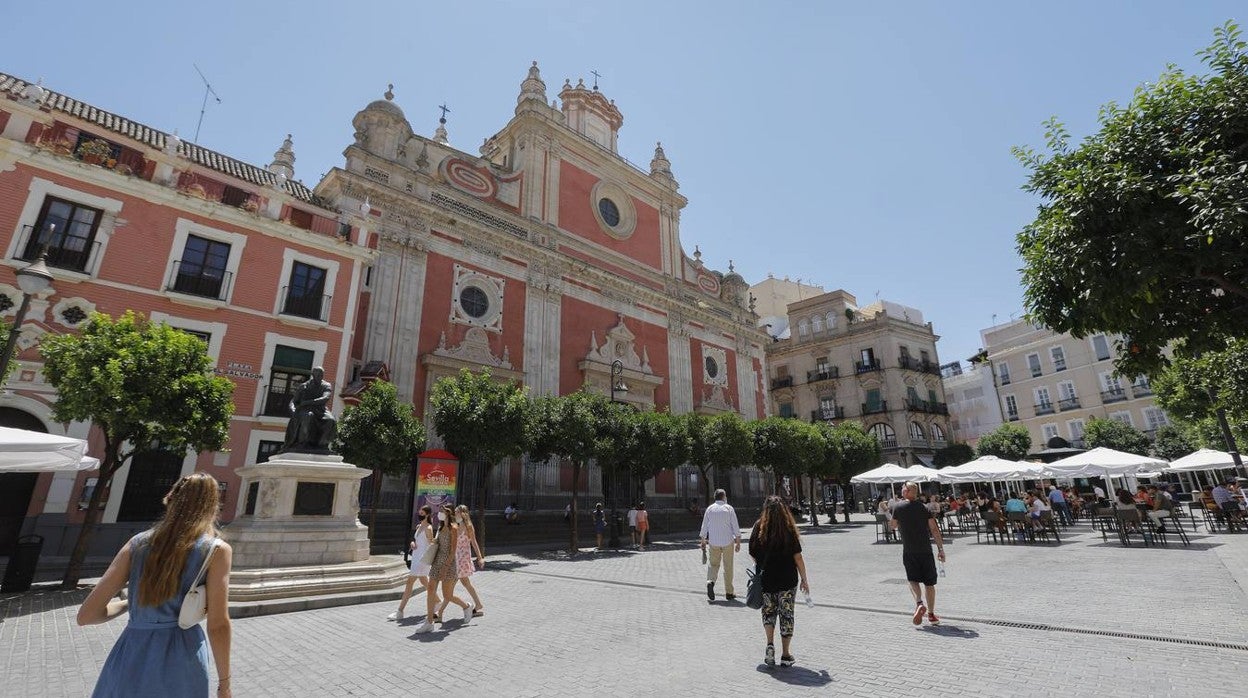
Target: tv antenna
(204, 107)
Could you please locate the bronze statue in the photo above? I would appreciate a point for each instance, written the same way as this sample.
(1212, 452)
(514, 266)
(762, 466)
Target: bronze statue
(311, 427)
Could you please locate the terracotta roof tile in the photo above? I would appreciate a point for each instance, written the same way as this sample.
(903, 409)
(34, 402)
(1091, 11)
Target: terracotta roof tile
(211, 159)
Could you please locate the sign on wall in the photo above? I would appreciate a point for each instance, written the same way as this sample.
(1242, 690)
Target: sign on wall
(436, 473)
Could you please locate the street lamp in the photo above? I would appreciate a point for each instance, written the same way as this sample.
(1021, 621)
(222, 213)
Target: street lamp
(33, 279)
(617, 386)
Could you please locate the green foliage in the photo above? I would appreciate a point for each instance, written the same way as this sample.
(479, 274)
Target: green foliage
(1171, 442)
(827, 464)
(720, 442)
(1111, 433)
(142, 384)
(481, 418)
(380, 433)
(1142, 225)
(953, 454)
(857, 450)
(1008, 441)
(654, 441)
(785, 446)
(1192, 388)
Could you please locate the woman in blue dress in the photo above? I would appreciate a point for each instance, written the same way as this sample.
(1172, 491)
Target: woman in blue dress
(153, 656)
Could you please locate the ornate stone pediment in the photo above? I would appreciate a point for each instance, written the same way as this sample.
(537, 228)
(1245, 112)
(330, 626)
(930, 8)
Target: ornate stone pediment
(636, 375)
(715, 399)
(620, 345)
(474, 349)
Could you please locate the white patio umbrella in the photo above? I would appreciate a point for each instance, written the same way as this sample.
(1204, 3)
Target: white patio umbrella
(24, 451)
(1204, 459)
(982, 469)
(922, 473)
(1102, 462)
(887, 474)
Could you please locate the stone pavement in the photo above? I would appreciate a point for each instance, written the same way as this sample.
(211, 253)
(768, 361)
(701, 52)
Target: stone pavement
(639, 623)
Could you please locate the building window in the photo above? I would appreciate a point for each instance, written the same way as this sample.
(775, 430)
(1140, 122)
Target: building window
(266, 449)
(884, 434)
(1011, 408)
(875, 402)
(786, 409)
(1044, 404)
(152, 475)
(816, 324)
(827, 407)
(205, 337)
(1100, 347)
(202, 271)
(291, 366)
(1076, 429)
(1048, 431)
(1033, 363)
(609, 211)
(938, 434)
(305, 294)
(1003, 373)
(916, 432)
(803, 328)
(67, 231)
(1124, 417)
(474, 301)
(1155, 418)
(831, 321)
(1059, 358)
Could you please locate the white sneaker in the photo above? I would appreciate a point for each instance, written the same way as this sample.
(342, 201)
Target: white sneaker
(425, 627)
(397, 615)
(468, 613)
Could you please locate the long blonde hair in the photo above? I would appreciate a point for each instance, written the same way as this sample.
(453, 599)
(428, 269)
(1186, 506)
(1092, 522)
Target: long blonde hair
(190, 512)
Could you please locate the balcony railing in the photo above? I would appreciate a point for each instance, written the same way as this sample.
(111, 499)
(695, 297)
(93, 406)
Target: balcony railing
(827, 414)
(938, 443)
(867, 366)
(876, 408)
(65, 251)
(1013, 416)
(1005, 380)
(276, 401)
(826, 373)
(782, 382)
(309, 305)
(1139, 391)
(1108, 396)
(912, 364)
(1044, 408)
(927, 406)
(888, 443)
(919, 442)
(1069, 403)
(196, 280)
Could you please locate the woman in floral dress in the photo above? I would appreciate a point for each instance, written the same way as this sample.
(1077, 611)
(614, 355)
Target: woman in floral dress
(443, 570)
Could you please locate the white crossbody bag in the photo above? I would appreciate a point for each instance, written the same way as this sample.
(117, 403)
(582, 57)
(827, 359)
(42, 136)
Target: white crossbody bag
(195, 603)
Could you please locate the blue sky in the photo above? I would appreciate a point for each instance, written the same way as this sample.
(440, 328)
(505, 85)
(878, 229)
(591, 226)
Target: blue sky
(863, 146)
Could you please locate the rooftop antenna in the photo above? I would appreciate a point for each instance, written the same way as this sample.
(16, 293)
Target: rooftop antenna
(204, 107)
(596, 75)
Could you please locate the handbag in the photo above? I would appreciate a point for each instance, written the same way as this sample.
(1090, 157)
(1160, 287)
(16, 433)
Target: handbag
(426, 558)
(195, 603)
(754, 587)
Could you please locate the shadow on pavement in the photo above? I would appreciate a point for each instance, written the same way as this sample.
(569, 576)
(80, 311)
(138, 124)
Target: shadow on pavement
(1174, 545)
(39, 601)
(797, 675)
(496, 565)
(725, 603)
(950, 631)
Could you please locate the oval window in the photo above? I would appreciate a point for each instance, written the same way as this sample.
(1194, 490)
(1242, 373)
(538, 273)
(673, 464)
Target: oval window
(609, 211)
(712, 368)
(474, 301)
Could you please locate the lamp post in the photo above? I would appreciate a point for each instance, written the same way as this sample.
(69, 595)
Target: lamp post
(617, 386)
(33, 279)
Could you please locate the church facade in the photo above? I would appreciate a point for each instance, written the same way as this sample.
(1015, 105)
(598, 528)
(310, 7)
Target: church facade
(545, 258)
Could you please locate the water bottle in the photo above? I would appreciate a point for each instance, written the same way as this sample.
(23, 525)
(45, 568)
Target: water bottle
(942, 568)
(810, 603)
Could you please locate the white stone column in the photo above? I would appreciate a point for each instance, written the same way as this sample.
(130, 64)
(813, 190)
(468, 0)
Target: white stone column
(680, 379)
(542, 311)
(406, 348)
(746, 382)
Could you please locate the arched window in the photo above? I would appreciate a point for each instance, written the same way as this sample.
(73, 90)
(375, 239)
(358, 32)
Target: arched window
(916, 431)
(883, 433)
(831, 321)
(938, 434)
(817, 324)
(803, 328)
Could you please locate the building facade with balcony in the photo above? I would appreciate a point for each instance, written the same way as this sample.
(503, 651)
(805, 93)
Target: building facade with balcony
(974, 408)
(876, 365)
(249, 260)
(1054, 383)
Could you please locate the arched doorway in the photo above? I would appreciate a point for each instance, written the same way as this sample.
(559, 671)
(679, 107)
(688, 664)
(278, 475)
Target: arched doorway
(16, 488)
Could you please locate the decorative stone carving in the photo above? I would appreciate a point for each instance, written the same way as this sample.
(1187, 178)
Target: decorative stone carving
(619, 346)
(474, 349)
(716, 398)
(714, 366)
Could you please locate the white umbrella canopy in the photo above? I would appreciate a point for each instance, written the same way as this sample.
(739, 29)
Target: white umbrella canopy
(1204, 459)
(23, 451)
(886, 474)
(1102, 462)
(922, 473)
(983, 469)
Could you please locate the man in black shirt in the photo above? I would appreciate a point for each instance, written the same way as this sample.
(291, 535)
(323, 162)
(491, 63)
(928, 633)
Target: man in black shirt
(915, 524)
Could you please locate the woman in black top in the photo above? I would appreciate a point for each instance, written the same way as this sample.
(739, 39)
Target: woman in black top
(775, 547)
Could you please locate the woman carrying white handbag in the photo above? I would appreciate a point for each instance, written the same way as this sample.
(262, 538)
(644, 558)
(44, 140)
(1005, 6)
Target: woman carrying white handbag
(423, 551)
(163, 650)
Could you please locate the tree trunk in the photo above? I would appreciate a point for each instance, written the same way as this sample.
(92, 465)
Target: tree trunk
(91, 518)
(483, 494)
(814, 510)
(372, 509)
(706, 486)
(576, 481)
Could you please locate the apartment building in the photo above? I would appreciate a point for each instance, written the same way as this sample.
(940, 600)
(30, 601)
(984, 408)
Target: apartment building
(876, 364)
(974, 408)
(1054, 383)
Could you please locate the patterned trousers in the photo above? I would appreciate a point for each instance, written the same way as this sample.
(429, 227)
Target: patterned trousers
(779, 603)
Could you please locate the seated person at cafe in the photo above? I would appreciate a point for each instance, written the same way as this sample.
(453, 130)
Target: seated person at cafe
(1226, 502)
(1142, 496)
(1014, 504)
(511, 514)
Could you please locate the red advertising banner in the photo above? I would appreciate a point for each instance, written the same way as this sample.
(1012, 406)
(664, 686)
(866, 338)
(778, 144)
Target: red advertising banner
(435, 479)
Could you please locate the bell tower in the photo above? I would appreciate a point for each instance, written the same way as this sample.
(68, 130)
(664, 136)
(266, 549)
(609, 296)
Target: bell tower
(591, 114)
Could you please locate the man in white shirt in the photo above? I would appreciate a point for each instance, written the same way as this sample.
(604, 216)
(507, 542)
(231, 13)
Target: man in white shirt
(722, 531)
(632, 523)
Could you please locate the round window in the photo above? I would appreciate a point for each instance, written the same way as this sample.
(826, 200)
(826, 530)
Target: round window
(609, 211)
(712, 368)
(474, 301)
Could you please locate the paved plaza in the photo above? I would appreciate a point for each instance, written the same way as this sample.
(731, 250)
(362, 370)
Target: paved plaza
(1084, 618)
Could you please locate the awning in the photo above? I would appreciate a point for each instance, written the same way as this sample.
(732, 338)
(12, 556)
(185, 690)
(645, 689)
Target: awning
(23, 451)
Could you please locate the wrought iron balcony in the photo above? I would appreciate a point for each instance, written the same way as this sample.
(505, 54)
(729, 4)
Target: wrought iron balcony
(915, 405)
(888, 443)
(1044, 408)
(827, 415)
(1118, 395)
(309, 305)
(938, 443)
(867, 366)
(826, 373)
(877, 408)
(909, 363)
(1139, 391)
(782, 382)
(1013, 417)
(1069, 403)
(192, 278)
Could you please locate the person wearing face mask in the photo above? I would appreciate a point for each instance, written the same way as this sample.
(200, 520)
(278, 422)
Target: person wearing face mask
(442, 571)
(465, 545)
(421, 540)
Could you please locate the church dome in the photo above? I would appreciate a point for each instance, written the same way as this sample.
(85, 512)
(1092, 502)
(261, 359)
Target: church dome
(387, 105)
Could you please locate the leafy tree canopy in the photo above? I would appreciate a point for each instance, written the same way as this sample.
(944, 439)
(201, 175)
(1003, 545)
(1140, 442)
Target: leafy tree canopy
(381, 432)
(1193, 387)
(858, 450)
(953, 454)
(1142, 226)
(1111, 433)
(785, 446)
(480, 417)
(654, 441)
(1008, 441)
(1171, 442)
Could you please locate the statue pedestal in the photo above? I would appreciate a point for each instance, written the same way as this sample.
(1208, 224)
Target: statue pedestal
(297, 531)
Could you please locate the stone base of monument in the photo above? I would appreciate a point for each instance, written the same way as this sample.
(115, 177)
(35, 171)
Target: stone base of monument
(297, 535)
